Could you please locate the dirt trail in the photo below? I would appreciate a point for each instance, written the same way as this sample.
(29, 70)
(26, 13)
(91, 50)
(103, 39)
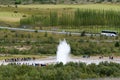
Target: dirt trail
(52, 60)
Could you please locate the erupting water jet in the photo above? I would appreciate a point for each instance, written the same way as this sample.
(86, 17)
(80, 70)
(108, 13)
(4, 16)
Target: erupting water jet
(63, 51)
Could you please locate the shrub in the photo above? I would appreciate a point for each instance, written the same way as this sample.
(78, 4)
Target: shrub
(83, 33)
(24, 16)
(117, 44)
(15, 11)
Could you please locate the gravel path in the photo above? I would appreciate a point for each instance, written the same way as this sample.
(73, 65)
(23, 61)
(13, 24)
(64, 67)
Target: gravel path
(52, 60)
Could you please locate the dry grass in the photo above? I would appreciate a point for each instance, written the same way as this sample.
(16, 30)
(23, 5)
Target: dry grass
(10, 16)
(84, 6)
(9, 19)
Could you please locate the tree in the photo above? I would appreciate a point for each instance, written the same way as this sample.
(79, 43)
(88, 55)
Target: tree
(83, 33)
(117, 44)
(17, 1)
(36, 31)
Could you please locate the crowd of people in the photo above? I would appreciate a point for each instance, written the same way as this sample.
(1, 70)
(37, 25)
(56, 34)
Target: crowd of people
(19, 59)
(100, 57)
(110, 57)
(16, 61)
(33, 64)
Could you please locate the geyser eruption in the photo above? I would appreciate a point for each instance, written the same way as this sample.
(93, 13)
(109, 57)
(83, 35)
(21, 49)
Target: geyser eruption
(63, 51)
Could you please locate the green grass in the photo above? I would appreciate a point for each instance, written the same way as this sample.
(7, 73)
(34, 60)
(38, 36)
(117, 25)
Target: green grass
(42, 42)
(97, 29)
(44, 9)
(22, 56)
(45, 45)
(81, 19)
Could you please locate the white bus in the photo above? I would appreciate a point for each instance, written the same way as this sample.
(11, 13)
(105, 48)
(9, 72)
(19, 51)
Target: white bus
(109, 33)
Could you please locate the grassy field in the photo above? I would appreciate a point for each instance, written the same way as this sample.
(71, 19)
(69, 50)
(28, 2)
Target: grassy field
(21, 44)
(34, 43)
(89, 29)
(83, 6)
(22, 56)
(8, 15)
(10, 18)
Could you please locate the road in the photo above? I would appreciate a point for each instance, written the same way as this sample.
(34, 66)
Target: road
(57, 32)
(48, 31)
(32, 30)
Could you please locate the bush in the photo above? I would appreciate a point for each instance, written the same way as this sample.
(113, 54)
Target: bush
(15, 11)
(70, 71)
(117, 44)
(83, 33)
(17, 1)
(24, 16)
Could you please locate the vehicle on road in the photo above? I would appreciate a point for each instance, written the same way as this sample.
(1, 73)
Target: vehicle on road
(109, 33)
